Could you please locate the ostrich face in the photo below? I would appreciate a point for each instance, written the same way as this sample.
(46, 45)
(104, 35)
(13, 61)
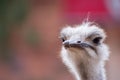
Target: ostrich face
(82, 36)
(83, 50)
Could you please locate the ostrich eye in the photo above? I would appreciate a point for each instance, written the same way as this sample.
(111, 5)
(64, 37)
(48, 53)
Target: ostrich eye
(97, 40)
(62, 39)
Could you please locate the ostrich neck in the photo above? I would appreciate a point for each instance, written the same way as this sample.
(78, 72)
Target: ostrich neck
(83, 66)
(91, 71)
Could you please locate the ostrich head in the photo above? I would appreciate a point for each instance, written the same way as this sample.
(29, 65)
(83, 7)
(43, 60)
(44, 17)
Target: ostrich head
(84, 50)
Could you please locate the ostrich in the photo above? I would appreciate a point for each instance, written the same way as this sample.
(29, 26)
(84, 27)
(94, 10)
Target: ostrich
(84, 51)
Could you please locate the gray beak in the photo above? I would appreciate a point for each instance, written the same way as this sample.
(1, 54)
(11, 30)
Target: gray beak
(75, 44)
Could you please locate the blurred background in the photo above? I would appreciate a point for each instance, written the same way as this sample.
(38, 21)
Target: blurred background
(29, 36)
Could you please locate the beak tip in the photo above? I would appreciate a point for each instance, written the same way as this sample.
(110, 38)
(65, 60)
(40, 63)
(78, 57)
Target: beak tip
(66, 44)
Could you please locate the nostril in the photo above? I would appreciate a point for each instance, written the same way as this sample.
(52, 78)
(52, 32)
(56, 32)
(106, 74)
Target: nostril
(78, 41)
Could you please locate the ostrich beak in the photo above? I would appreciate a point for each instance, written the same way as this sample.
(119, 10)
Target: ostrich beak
(75, 44)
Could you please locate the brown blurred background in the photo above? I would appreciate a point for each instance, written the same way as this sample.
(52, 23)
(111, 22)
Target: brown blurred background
(29, 36)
